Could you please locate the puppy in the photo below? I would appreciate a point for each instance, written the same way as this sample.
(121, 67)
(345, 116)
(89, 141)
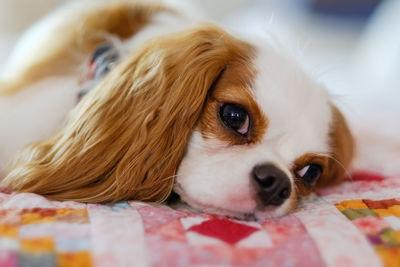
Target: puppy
(227, 122)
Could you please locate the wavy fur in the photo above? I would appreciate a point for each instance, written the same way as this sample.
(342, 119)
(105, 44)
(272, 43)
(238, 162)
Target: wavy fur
(126, 139)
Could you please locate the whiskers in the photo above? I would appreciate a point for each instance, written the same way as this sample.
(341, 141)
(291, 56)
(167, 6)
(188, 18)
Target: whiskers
(340, 164)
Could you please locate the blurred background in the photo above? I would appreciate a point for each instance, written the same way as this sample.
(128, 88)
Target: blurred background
(353, 47)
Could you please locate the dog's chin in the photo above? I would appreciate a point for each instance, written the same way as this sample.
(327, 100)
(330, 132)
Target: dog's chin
(257, 214)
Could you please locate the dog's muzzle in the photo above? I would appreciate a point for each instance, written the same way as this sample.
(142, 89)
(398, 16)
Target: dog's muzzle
(273, 185)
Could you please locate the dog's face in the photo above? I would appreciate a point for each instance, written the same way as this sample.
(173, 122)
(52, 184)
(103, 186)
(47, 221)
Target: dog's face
(234, 127)
(266, 136)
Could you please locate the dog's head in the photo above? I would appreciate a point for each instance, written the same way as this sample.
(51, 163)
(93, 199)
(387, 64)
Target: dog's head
(231, 125)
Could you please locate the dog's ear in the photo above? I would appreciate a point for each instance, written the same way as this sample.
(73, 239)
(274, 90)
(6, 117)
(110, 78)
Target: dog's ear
(342, 150)
(126, 138)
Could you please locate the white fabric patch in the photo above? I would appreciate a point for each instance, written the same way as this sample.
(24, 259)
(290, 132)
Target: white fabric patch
(339, 241)
(9, 244)
(113, 246)
(393, 221)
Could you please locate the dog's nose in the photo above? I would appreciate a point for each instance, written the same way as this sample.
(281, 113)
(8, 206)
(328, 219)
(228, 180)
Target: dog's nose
(272, 184)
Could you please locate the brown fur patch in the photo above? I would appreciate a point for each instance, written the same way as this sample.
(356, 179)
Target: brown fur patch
(126, 139)
(73, 41)
(234, 86)
(342, 150)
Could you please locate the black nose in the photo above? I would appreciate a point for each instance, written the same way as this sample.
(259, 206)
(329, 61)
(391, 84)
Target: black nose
(272, 184)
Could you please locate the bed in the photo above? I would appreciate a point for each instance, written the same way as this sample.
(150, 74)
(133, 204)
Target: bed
(354, 224)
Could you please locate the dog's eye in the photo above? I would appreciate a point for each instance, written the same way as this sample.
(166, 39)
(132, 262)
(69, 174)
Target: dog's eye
(310, 173)
(235, 117)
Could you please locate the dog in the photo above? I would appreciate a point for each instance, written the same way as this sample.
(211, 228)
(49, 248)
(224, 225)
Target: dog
(165, 104)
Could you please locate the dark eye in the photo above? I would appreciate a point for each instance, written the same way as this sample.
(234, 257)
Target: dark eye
(310, 174)
(235, 117)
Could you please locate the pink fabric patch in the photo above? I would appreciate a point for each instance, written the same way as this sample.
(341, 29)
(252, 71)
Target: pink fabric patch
(8, 258)
(371, 225)
(171, 230)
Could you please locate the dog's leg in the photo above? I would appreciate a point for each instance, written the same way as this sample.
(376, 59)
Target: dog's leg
(58, 44)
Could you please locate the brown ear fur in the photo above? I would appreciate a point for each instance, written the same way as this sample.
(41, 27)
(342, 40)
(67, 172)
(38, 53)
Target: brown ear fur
(126, 139)
(342, 145)
(77, 37)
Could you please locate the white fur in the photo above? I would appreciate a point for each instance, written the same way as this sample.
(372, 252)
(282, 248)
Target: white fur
(217, 177)
(34, 114)
(213, 176)
(38, 110)
(29, 47)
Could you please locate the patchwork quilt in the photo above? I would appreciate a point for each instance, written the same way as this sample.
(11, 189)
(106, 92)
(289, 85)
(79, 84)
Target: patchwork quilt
(354, 224)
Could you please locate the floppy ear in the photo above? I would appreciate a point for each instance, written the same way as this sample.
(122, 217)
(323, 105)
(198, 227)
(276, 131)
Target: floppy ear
(342, 150)
(126, 138)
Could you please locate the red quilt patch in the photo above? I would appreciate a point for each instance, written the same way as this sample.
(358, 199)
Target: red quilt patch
(229, 231)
